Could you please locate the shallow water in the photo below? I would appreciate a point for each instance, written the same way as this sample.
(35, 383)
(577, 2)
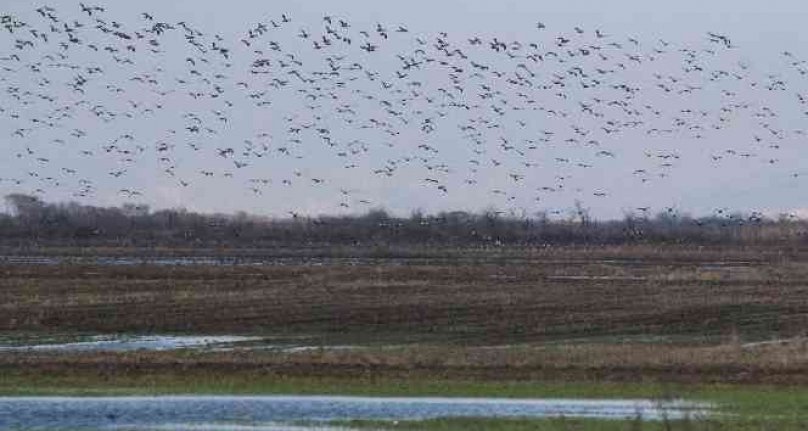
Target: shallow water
(117, 343)
(130, 343)
(217, 412)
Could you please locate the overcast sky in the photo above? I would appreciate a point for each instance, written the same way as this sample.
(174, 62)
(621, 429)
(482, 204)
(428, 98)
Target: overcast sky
(757, 160)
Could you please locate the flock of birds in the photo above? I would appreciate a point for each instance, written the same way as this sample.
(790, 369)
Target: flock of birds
(355, 115)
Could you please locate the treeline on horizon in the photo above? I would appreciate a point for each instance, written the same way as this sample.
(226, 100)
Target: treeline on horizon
(35, 222)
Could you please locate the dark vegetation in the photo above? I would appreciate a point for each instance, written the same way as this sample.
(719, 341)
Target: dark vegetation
(34, 222)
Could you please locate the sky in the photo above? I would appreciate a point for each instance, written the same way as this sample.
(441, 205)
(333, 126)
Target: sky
(733, 141)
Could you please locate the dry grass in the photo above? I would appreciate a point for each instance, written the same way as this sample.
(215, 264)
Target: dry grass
(785, 363)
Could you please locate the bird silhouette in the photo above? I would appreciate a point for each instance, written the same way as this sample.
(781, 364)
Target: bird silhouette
(148, 98)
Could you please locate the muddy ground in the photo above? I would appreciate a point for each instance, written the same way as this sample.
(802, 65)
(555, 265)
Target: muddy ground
(701, 311)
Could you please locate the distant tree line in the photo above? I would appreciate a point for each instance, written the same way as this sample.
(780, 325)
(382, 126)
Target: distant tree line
(34, 222)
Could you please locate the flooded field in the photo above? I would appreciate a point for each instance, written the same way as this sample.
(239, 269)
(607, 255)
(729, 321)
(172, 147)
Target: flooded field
(361, 300)
(215, 412)
(127, 343)
(122, 343)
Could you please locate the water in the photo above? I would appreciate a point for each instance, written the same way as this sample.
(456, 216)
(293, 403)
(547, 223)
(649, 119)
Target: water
(116, 343)
(131, 343)
(216, 412)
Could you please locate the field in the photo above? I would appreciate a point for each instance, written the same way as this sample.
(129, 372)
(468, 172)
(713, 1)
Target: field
(722, 324)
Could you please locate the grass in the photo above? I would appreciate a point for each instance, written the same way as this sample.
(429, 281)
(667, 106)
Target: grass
(571, 424)
(556, 424)
(171, 382)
